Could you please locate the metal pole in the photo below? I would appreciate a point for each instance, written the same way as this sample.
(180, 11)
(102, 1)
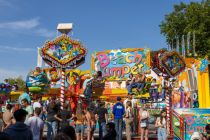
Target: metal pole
(62, 88)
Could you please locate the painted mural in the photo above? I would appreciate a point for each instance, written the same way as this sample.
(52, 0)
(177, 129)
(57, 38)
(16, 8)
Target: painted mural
(195, 119)
(173, 63)
(118, 64)
(37, 81)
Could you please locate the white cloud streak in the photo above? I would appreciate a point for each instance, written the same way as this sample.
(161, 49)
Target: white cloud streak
(17, 49)
(45, 33)
(19, 25)
(32, 26)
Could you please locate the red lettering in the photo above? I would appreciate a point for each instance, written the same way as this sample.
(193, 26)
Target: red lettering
(189, 120)
(125, 70)
(199, 129)
(117, 71)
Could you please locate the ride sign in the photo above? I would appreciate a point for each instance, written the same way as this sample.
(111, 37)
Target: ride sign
(118, 64)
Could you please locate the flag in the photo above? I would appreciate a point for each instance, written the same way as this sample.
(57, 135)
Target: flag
(39, 58)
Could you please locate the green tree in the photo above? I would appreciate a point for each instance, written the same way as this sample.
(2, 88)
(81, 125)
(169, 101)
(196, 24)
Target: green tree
(19, 81)
(185, 18)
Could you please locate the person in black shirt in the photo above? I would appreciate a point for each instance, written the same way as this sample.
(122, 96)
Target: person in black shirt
(102, 116)
(52, 118)
(111, 132)
(64, 115)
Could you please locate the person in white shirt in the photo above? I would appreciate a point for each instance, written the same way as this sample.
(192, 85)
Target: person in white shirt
(36, 125)
(129, 98)
(161, 124)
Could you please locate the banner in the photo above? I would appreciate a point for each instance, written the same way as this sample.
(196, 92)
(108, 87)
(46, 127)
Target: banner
(118, 64)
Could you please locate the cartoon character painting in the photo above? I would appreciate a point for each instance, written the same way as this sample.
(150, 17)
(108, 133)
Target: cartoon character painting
(63, 52)
(37, 81)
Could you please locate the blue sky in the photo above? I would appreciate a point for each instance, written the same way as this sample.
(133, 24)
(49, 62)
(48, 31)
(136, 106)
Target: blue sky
(99, 24)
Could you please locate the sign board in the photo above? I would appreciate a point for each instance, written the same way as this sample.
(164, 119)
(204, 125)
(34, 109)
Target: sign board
(195, 119)
(118, 64)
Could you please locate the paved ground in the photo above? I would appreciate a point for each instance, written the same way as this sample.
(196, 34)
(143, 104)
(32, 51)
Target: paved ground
(152, 133)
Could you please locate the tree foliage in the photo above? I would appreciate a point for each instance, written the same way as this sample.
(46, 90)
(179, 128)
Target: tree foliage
(19, 81)
(185, 18)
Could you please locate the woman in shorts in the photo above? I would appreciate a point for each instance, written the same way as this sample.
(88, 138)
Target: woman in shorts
(144, 122)
(91, 122)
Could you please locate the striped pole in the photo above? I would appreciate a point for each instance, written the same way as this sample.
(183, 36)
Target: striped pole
(169, 112)
(62, 87)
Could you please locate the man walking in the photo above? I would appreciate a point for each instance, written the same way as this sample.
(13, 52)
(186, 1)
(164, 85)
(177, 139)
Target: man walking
(36, 124)
(118, 111)
(102, 116)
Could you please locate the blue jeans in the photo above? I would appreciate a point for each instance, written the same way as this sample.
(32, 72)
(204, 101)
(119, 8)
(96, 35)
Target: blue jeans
(80, 128)
(118, 128)
(51, 129)
(102, 129)
(154, 91)
(162, 134)
(141, 85)
(131, 86)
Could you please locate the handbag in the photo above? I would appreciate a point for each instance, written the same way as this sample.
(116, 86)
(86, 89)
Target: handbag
(143, 124)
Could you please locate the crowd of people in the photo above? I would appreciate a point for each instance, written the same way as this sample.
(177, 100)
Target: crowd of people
(29, 121)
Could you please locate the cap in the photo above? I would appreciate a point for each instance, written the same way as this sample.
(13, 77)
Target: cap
(82, 96)
(195, 136)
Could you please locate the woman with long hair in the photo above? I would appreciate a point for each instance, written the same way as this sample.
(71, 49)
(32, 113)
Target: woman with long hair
(144, 123)
(91, 122)
(80, 121)
(161, 124)
(129, 120)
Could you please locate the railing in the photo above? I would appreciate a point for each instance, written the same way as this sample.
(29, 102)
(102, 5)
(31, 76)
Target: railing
(178, 125)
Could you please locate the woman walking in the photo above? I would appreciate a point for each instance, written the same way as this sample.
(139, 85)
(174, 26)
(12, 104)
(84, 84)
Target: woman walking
(91, 122)
(162, 126)
(80, 121)
(129, 120)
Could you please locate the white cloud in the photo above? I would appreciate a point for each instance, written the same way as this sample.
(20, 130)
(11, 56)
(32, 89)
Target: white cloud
(33, 26)
(20, 25)
(17, 49)
(45, 33)
(5, 73)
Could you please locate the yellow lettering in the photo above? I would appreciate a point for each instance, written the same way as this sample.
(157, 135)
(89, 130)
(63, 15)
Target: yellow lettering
(134, 70)
(127, 58)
